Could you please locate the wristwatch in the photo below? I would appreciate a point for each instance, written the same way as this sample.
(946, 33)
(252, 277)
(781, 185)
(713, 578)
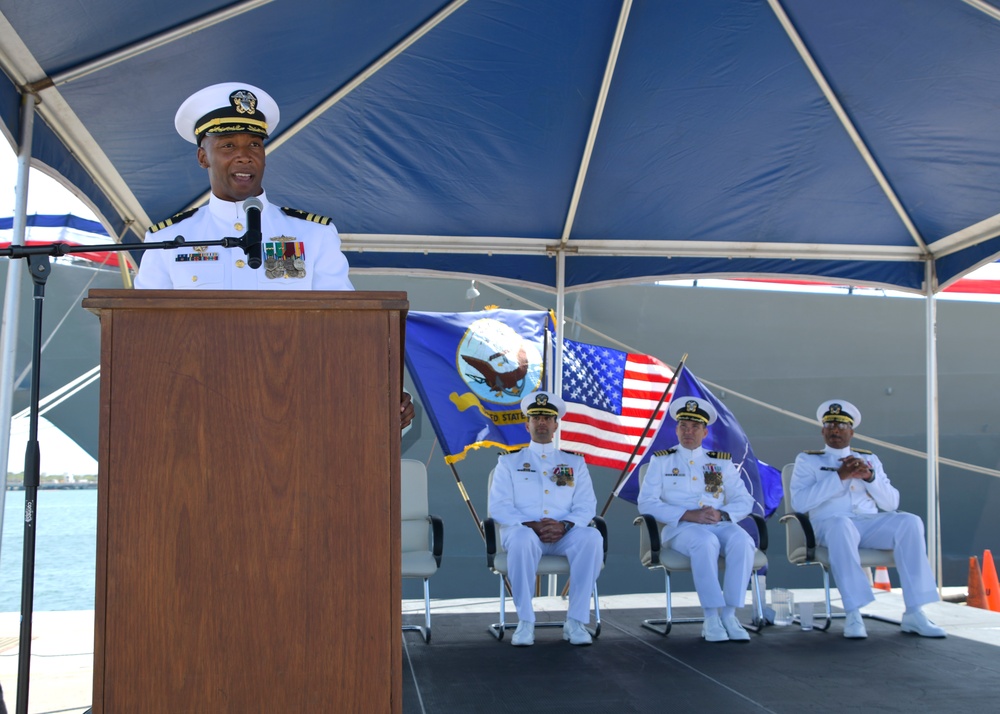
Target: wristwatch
(725, 516)
(567, 525)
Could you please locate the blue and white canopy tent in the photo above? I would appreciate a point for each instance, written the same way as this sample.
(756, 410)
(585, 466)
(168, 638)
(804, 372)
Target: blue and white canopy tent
(562, 144)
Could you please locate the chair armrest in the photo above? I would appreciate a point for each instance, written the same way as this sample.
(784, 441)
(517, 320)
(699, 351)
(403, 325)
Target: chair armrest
(761, 531)
(490, 531)
(807, 531)
(653, 531)
(601, 525)
(437, 537)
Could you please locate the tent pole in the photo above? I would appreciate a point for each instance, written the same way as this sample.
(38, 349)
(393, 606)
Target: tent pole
(560, 324)
(12, 297)
(933, 468)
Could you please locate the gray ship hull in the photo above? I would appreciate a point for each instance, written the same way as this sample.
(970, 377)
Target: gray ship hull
(789, 351)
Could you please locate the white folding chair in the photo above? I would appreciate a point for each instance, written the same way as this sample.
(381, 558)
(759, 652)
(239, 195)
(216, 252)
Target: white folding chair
(803, 549)
(654, 556)
(421, 535)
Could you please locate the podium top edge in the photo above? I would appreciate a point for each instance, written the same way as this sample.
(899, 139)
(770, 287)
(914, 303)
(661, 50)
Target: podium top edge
(105, 299)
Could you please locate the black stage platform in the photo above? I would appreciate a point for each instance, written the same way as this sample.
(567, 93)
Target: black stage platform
(629, 669)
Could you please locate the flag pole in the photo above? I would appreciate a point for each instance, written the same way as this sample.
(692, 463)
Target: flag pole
(635, 450)
(468, 502)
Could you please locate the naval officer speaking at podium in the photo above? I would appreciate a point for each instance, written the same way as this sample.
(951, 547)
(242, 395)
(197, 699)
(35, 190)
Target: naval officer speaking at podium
(289, 249)
(299, 251)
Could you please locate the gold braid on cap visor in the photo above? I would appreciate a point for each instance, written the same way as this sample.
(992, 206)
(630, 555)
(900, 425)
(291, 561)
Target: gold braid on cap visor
(235, 125)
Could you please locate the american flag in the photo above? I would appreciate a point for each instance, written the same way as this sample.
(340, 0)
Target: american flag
(609, 397)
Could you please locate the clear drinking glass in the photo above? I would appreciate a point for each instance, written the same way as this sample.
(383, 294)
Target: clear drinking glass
(783, 603)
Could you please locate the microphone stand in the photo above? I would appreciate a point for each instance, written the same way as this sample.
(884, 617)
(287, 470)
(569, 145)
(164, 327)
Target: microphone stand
(39, 266)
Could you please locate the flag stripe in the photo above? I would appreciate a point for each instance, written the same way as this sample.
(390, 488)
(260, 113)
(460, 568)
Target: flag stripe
(610, 397)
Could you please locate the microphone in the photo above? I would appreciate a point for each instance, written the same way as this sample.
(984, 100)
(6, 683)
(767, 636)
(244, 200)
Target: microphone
(252, 206)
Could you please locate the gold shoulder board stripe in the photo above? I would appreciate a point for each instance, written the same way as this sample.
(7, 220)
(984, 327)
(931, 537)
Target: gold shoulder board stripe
(862, 451)
(720, 454)
(172, 220)
(816, 453)
(665, 452)
(306, 216)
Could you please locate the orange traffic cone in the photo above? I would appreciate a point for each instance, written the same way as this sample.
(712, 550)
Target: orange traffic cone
(977, 593)
(990, 584)
(882, 579)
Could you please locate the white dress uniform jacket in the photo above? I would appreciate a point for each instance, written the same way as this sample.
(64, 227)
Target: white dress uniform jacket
(818, 490)
(850, 514)
(676, 482)
(310, 249)
(539, 482)
(680, 480)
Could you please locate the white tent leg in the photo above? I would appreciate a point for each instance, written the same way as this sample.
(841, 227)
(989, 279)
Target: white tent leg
(933, 500)
(12, 297)
(560, 324)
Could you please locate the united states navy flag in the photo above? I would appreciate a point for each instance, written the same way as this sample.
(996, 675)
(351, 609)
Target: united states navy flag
(471, 370)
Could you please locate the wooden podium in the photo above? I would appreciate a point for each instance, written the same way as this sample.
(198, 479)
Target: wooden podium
(248, 508)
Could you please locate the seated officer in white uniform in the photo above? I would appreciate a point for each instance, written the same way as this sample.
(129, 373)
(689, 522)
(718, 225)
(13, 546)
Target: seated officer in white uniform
(300, 251)
(701, 497)
(543, 499)
(843, 490)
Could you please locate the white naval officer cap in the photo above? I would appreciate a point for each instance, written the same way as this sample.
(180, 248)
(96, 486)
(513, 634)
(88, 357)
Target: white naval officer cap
(543, 403)
(227, 108)
(838, 410)
(693, 409)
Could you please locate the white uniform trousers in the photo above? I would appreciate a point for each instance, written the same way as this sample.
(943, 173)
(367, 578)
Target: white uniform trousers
(902, 533)
(583, 546)
(702, 543)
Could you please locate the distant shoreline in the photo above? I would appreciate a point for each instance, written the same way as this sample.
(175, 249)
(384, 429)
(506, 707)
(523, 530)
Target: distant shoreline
(54, 486)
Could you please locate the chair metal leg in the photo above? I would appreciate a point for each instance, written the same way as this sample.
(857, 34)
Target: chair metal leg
(662, 627)
(830, 615)
(596, 630)
(425, 629)
(497, 628)
(829, 609)
(757, 623)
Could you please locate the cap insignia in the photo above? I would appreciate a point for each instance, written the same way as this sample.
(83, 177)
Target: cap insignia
(243, 101)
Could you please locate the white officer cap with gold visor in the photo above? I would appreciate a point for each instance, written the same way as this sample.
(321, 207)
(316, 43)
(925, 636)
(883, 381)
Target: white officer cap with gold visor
(227, 108)
(838, 411)
(542, 403)
(693, 409)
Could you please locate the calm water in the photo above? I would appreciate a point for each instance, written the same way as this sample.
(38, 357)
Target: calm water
(65, 550)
